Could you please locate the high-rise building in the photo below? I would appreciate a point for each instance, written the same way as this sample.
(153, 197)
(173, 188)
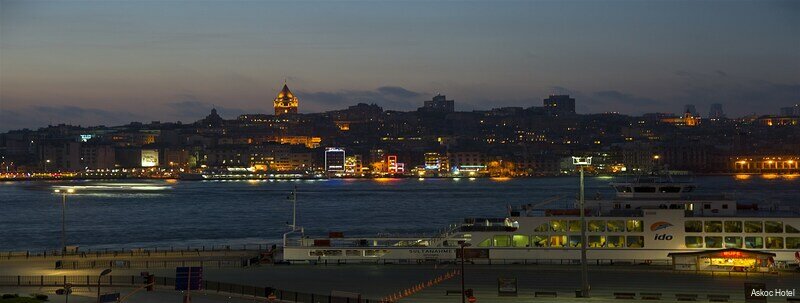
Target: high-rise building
(791, 110)
(438, 104)
(559, 104)
(716, 111)
(285, 102)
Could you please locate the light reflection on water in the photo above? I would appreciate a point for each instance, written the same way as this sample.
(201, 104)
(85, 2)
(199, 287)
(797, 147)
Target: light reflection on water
(147, 212)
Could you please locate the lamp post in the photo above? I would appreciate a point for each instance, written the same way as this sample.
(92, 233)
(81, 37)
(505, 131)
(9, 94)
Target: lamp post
(64, 194)
(463, 245)
(105, 272)
(581, 162)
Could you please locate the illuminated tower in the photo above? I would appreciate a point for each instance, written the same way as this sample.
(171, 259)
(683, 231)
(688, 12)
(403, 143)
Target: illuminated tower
(286, 102)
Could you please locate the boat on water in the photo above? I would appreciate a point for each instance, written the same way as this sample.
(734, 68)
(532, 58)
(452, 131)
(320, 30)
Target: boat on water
(649, 220)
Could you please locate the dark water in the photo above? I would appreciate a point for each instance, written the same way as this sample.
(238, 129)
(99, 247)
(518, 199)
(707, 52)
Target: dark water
(114, 214)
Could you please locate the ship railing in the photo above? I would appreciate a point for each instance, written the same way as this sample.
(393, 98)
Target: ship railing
(451, 230)
(188, 250)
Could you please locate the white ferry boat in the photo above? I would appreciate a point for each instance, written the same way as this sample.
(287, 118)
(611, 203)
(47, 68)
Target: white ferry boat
(648, 220)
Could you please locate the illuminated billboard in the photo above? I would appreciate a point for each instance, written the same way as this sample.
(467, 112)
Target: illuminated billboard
(149, 157)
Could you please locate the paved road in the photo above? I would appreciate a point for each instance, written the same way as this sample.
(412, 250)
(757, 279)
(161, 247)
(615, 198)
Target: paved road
(375, 281)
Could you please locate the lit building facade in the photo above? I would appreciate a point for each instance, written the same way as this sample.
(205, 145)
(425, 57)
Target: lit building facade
(285, 102)
(559, 104)
(335, 159)
(766, 164)
(438, 104)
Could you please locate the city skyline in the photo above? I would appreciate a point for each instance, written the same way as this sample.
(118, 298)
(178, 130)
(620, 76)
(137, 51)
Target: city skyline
(126, 61)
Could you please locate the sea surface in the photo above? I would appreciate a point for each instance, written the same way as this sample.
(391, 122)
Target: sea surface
(163, 213)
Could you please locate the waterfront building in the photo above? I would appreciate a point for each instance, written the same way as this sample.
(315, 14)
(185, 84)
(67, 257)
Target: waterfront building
(60, 155)
(394, 167)
(353, 165)
(335, 159)
(285, 102)
(96, 156)
(436, 163)
(765, 164)
(467, 162)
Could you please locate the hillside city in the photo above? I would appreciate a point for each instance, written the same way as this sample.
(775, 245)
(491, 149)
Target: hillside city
(364, 140)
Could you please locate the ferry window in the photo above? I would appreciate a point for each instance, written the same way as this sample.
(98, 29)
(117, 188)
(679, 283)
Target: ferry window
(575, 226)
(574, 241)
(753, 227)
(375, 252)
(352, 253)
(558, 225)
(694, 242)
(635, 226)
(773, 226)
(706, 206)
(323, 253)
(544, 227)
(790, 229)
(792, 242)
(725, 206)
(753, 242)
(615, 242)
(670, 189)
(597, 241)
(558, 241)
(539, 241)
(502, 241)
(624, 189)
(733, 226)
(733, 242)
(485, 243)
(713, 242)
(774, 242)
(520, 241)
(644, 189)
(688, 189)
(635, 241)
(713, 226)
(693, 226)
(596, 225)
(616, 225)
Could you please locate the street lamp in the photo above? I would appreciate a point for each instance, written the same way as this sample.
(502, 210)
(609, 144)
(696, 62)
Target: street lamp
(64, 194)
(582, 162)
(463, 245)
(103, 273)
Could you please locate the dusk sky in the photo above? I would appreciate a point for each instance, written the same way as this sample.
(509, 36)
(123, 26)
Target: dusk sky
(112, 62)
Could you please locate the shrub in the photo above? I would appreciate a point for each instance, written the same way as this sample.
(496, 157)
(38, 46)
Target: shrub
(41, 297)
(10, 296)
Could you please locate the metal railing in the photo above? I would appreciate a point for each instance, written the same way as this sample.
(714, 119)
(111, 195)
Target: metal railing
(229, 263)
(208, 286)
(134, 252)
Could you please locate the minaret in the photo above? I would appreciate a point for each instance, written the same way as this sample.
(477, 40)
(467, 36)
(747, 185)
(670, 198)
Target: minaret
(286, 102)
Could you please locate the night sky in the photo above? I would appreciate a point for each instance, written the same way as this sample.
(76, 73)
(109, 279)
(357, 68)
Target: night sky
(112, 62)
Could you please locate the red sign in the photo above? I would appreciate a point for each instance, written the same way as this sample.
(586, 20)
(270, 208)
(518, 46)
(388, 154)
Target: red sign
(472, 299)
(732, 254)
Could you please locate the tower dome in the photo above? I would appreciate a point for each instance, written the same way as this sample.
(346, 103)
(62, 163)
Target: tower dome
(285, 102)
